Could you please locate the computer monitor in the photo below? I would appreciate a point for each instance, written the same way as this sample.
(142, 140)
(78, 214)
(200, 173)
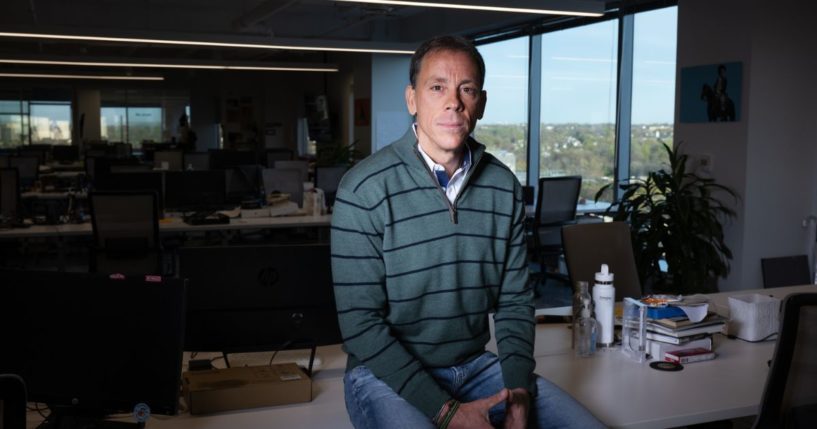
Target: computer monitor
(301, 166)
(196, 161)
(243, 183)
(284, 180)
(260, 297)
(28, 169)
(65, 153)
(223, 159)
(168, 160)
(195, 190)
(134, 181)
(9, 196)
(93, 345)
(328, 179)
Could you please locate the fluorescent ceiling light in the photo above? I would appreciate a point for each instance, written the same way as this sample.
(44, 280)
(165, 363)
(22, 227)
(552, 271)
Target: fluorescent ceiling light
(170, 66)
(536, 10)
(79, 76)
(201, 43)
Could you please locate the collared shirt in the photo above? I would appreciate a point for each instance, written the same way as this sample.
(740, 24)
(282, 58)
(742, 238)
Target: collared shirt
(452, 185)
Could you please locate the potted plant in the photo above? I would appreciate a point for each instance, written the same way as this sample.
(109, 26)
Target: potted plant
(336, 154)
(676, 217)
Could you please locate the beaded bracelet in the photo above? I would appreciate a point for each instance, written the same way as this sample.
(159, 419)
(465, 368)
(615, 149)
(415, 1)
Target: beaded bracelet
(452, 409)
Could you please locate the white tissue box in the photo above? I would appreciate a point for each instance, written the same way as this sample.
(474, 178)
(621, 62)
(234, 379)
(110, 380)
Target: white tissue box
(753, 317)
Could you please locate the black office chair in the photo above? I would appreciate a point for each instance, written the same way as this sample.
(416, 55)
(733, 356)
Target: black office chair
(589, 245)
(790, 397)
(12, 402)
(9, 196)
(126, 233)
(555, 208)
(786, 271)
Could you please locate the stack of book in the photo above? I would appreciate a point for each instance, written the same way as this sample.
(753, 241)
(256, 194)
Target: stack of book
(673, 333)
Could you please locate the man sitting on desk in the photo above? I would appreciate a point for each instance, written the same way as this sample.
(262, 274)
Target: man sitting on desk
(427, 240)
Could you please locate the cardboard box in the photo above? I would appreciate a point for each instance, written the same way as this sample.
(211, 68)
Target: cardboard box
(217, 390)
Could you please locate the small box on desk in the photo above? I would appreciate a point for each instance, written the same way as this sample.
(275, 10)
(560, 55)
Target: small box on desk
(753, 317)
(216, 390)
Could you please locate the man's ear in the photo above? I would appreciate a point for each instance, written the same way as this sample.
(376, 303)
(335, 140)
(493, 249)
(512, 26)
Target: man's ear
(482, 100)
(410, 102)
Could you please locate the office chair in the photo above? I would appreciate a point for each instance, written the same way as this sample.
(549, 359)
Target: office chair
(785, 271)
(589, 245)
(555, 207)
(126, 233)
(790, 399)
(284, 180)
(12, 402)
(9, 196)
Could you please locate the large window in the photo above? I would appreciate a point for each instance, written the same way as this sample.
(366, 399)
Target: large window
(581, 99)
(50, 122)
(13, 123)
(578, 104)
(653, 109)
(137, 116)
(504, 127)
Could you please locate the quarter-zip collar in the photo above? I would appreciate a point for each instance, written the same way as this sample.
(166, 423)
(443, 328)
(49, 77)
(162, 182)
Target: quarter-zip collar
(406, 150)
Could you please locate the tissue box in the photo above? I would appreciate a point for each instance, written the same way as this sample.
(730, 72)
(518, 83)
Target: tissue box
(753, 317)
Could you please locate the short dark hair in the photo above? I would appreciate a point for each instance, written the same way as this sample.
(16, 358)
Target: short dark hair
(446, 43)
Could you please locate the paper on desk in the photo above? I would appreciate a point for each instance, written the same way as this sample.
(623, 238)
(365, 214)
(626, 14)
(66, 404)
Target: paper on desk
(695, 312)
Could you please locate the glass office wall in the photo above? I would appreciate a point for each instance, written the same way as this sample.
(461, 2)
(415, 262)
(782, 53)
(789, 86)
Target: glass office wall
(653, 108)
(50, 122)
(578, 104)
(504, 127)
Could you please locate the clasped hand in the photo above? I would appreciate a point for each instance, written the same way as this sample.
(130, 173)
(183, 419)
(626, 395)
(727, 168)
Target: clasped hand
(474, 415)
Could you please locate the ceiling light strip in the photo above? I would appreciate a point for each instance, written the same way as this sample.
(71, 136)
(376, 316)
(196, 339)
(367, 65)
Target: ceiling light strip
(199, 43)
(77, 76)
(476, 7)
(171, 66)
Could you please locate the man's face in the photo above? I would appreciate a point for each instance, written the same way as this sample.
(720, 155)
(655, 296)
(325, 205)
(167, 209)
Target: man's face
(447, 100)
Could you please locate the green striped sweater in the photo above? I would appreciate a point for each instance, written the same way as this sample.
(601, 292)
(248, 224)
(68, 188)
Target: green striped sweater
(416, 277)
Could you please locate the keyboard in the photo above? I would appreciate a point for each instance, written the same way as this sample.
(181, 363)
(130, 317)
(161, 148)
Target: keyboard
(207, 218)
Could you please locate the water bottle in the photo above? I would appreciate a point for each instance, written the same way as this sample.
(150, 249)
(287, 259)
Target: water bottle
(581, 300)
(604, 296)
(585, 332)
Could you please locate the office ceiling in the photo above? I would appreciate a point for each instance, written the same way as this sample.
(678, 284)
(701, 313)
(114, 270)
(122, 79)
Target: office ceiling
(317, 22)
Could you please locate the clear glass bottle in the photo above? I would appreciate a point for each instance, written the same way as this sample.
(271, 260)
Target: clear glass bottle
(585, 332)
(582, 301)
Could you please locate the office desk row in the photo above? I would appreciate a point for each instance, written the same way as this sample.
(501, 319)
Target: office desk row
(621, 392)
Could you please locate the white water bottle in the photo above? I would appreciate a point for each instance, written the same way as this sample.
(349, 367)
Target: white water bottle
(604, 296)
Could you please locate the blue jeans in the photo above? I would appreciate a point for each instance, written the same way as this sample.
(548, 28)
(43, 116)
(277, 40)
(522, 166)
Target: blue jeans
(374, 405)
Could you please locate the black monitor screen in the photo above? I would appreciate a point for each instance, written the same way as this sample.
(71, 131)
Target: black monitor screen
(251, 298)
(135, 181)
(93, 344)
(223, 159)
(195, 190)
(65, 153)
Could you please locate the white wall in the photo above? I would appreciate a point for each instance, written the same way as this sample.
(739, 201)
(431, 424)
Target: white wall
(770, 156)
(390, 117)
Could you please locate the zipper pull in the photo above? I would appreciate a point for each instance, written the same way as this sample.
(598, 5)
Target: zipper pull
(453, 212)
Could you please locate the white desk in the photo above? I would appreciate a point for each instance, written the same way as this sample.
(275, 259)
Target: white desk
(621, 392)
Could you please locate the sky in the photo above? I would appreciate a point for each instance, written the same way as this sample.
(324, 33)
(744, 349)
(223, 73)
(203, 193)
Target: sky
(579, 73)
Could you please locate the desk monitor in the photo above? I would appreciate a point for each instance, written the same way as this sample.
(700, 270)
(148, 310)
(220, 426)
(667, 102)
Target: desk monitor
(223, 159)
(243, 183)
(134, 181)
(195, 190)
(255, 298)
(172, 159)
(328, 179)
(65, 154)
(196, 161)
(90, 345)
(28, 168)
(286, 181)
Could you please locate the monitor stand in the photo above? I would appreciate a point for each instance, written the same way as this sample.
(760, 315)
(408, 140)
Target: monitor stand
(68, 418)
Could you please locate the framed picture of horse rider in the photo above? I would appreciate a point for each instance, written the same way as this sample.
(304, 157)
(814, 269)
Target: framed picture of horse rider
(711, 93)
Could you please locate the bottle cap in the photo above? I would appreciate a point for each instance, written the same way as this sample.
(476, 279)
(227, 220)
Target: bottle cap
(604, 276)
